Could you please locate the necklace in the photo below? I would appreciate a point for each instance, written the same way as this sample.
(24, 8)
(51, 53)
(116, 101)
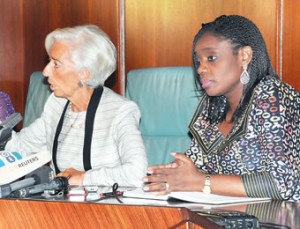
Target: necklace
(75, 119)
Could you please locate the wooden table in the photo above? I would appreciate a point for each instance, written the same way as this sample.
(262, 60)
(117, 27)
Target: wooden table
(136, 213)
(57, 214)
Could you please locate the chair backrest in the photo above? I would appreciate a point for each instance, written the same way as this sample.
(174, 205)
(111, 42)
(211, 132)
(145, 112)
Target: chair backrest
(167, 100)
(38, 92)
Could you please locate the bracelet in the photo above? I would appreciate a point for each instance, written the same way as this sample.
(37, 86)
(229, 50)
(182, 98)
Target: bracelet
(206, 189)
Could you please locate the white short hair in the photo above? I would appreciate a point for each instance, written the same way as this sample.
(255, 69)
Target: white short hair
(92, 49)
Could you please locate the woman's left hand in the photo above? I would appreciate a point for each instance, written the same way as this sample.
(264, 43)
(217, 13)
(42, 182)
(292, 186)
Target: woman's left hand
(74, 176)
(179, 175)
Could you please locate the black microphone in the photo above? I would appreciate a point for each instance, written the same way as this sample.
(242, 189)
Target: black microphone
(44, 174)
(58, 184)
(7, 127)
(38, 176)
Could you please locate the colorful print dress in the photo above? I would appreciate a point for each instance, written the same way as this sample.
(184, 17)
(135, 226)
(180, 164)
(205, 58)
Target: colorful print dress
(263, 147)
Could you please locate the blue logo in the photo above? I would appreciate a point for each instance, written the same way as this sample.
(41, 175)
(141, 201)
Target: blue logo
(6, 157)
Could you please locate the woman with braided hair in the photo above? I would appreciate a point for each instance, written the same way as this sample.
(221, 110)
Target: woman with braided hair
(246, 128)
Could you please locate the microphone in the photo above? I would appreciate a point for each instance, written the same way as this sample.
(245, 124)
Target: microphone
(6, 128)
(6, 190)
(40, 175)
(57, 184)
(8, 119)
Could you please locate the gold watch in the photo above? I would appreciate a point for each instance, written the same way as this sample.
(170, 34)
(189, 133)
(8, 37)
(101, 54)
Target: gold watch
(206, 189)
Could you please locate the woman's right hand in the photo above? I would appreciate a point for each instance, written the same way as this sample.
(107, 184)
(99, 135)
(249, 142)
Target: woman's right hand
(179, 175)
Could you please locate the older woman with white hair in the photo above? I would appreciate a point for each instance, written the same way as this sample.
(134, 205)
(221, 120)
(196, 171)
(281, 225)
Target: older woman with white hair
(91, 131)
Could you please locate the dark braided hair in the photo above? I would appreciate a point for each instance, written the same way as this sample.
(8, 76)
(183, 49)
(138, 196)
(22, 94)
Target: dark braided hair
(240, 32)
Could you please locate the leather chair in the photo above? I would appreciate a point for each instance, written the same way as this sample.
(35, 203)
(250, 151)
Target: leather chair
(38, 92)
(167, 100)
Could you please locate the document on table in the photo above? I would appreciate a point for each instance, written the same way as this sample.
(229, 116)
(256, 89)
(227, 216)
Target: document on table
(193, 197)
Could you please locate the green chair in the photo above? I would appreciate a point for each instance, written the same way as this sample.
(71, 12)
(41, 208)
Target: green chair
(167, 100)
(38, 92)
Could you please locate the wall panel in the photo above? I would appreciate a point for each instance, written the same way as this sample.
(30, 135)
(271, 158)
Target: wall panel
(291, 43)
(11, 51)
(160, 33)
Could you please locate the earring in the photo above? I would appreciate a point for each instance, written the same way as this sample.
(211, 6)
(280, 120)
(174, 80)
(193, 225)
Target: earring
(80, 83)
(245, 78)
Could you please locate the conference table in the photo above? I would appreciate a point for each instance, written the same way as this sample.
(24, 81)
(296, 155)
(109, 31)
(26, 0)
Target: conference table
(78, 212)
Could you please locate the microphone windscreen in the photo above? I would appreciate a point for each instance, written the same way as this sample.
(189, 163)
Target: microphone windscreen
(42, 175)
(6, 107)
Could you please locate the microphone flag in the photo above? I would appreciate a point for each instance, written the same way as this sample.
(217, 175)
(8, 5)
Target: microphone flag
(13, 166)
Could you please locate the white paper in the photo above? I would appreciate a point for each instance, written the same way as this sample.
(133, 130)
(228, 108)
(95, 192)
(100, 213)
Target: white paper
(193, 197)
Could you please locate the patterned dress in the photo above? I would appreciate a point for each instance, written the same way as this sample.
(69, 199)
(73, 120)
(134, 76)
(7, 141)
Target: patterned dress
(263, 147)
